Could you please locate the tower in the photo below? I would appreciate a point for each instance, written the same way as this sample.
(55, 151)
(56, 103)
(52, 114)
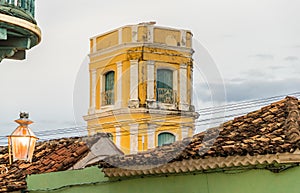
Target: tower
(141, 91)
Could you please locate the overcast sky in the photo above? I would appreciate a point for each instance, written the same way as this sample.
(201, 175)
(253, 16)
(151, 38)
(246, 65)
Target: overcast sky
(254, 46)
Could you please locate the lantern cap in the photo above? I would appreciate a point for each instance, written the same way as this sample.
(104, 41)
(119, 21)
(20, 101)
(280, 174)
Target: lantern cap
(24, 119)
(22, 140)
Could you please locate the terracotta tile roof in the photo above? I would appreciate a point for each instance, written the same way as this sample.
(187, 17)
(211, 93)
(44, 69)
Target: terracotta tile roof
(272, 130)
(49, 156)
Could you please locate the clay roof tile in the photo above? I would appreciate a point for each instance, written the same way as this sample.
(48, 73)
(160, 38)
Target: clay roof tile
(269, 130)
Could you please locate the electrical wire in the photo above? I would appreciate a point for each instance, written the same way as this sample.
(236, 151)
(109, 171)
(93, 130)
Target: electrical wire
(222, 109)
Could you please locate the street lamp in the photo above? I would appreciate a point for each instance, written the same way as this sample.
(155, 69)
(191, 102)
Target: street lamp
(22, 141)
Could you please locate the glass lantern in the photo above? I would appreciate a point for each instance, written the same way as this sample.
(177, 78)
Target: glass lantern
(21, 142)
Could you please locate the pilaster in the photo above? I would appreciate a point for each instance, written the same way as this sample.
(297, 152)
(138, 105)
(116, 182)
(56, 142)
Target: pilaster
(134, 138)
(119, 85)
(134, 33)
(151, 103)
(93, 91)
(183, 103)
(134, 73)
(151, 136)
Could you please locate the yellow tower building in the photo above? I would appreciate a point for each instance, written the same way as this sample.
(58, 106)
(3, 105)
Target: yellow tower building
(141, 79)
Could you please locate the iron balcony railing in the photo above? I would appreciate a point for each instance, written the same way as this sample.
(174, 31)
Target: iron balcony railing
(166, 95)
(26, 5)
(107, 97)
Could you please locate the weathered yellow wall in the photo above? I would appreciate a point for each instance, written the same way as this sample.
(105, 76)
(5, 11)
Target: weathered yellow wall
(165, 36)
(142, 34)
(126, 35)
(108, 40)
(105, 59)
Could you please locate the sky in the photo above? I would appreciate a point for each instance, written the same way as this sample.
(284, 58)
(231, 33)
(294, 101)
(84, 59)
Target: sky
(249, 47)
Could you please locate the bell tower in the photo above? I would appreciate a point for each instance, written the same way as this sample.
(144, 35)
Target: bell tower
(141, 79)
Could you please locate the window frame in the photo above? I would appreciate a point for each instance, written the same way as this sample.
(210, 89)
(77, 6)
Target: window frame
(165, 85)
(106, 90)
(165, 133)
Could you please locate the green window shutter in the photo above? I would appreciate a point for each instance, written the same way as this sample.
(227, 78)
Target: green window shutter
(165, 138)
(165, 78)
(109, 80)
(164, 86)
(109, 88)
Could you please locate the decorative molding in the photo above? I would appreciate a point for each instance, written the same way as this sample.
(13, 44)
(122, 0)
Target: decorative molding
(109, 111)
(137, 44)
(141, 24)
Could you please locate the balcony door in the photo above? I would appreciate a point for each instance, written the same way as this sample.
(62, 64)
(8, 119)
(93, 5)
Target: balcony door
(164, 86)
(109, 88)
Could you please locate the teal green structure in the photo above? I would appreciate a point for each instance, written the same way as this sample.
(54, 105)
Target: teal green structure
(18, 28)
(92, 180)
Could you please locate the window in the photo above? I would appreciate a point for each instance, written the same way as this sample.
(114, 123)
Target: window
(165, 138)
(108, 94)
(164, 86)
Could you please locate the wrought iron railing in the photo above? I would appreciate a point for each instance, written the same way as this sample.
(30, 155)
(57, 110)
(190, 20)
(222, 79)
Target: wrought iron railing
(26, 5)
(166, 95)
(107, 97)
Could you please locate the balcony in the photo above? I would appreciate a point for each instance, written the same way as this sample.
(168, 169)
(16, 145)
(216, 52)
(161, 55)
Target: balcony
(166, 95)
(18, 28)
(20, 8)
(107, 97)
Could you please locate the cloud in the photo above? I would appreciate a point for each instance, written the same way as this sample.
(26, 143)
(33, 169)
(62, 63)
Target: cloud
(296, 46)
(277, 67)
(291, 58)
(255, 73)
(262, 56)
(249, 89)
(229, 36)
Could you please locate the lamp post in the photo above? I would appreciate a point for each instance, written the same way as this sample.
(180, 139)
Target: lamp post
(21, 142)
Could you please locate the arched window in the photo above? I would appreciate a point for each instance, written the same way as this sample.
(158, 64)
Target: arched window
(108, 94)
(165, 138)
(164, 86)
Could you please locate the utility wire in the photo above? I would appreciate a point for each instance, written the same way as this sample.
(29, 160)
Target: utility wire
(244, 105)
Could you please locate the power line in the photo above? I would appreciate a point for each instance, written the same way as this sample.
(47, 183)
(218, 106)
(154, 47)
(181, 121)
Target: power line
(248, 101)
(201, 122)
